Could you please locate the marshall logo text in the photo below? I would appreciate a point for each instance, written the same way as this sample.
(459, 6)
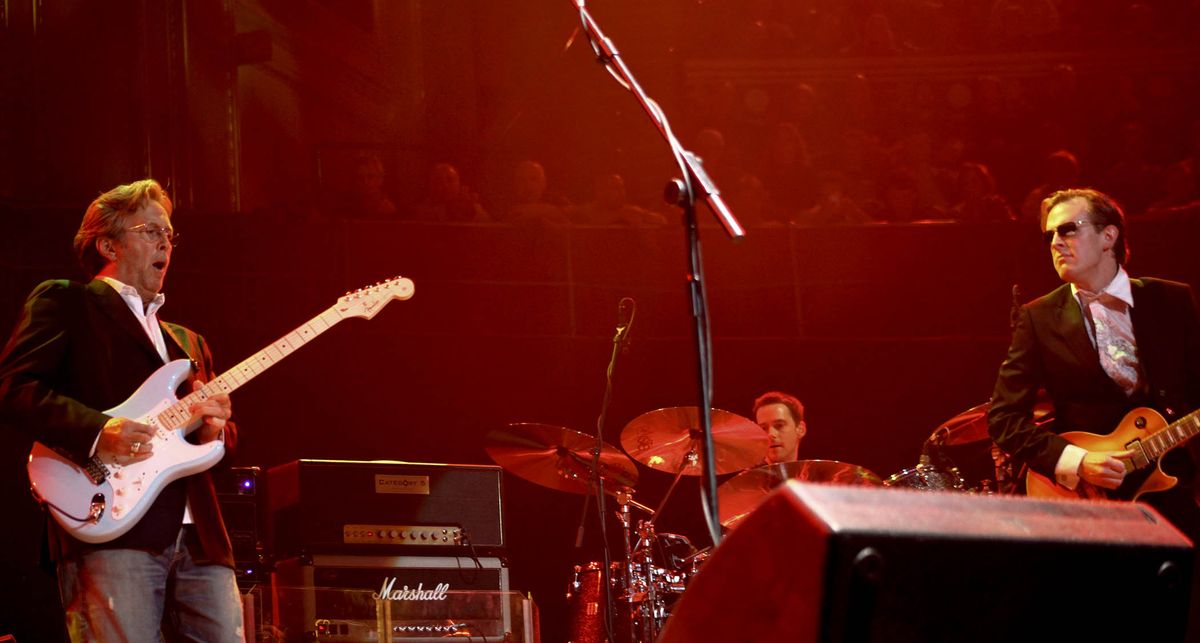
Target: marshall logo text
(388, 591)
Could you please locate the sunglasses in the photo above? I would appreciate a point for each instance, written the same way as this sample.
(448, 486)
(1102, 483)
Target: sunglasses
(1067, 230)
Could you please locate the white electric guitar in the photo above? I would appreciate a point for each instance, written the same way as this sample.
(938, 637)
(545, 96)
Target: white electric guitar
(99, 502)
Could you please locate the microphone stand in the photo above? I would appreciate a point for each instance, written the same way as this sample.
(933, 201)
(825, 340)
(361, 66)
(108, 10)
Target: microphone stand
(625, 320)
(694, 184)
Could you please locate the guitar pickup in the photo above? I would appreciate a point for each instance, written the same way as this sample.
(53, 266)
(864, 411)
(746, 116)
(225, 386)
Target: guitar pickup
(1139, 459)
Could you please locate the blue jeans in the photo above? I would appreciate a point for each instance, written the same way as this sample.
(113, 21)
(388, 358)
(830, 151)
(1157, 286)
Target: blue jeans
(132, 595)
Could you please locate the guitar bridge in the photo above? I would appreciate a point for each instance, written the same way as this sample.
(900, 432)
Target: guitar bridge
(95, 470)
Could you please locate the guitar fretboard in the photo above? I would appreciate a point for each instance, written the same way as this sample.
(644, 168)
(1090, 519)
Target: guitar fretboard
(1172, 435)
(177, 415)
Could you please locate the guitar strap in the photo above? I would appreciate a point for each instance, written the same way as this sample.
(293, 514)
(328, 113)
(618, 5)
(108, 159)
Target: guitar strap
(176, 349)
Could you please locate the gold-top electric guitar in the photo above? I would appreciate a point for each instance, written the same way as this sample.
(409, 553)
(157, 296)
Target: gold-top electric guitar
(99, 502)
(1142, 431)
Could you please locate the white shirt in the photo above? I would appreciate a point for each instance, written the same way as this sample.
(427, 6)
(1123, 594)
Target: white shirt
(147, 316)
(1066, 470)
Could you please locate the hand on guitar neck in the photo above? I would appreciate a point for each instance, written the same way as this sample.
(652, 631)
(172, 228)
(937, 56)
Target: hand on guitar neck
(1126, 462)
(124, 441)
(215, 411)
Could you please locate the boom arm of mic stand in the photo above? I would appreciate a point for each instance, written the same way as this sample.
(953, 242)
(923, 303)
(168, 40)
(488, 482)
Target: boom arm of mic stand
(695, 184)
(698, 185)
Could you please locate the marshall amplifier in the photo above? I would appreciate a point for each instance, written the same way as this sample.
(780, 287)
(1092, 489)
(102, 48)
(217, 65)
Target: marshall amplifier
(338, 598)
(384, 507)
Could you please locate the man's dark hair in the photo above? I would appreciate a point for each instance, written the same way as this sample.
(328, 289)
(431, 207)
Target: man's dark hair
(775, 397)
(1103, 211)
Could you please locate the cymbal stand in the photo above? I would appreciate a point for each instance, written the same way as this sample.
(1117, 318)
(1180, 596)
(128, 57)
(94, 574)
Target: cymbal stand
(650, 612)
(689, 460)
(623, 516)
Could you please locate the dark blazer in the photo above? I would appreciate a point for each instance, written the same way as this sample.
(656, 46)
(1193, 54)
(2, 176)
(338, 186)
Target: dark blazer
(76, 350)
(1051, 349)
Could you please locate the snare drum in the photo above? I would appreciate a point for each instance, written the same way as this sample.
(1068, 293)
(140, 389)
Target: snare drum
(927, 478)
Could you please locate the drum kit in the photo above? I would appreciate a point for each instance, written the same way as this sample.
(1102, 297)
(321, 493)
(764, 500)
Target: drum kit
(960, 456)
(656, 567)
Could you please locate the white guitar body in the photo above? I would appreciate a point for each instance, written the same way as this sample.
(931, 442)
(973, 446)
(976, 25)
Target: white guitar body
(102, 501)
(127, 493)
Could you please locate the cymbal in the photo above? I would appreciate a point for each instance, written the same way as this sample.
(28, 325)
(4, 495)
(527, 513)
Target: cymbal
(664, 439)
(741, 494)
(972, 426)
(557, 457)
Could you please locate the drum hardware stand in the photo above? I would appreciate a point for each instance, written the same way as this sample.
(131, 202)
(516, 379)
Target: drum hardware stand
(694, 184)
(650, 611)
(689, 460)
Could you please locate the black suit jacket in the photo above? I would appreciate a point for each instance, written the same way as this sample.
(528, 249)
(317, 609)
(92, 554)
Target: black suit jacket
(1051, 349)
(77, 350)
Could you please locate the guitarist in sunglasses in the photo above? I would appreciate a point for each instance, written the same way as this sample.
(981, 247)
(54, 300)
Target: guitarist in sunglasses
(77, 349)
(1102, 345)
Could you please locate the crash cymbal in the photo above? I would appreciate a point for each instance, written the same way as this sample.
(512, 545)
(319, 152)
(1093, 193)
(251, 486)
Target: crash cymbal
(972, 426)
(670, 438)
(742, 493)
(557, 457)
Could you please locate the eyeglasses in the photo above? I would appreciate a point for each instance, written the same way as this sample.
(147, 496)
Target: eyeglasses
(1067, 230)
(155, 233)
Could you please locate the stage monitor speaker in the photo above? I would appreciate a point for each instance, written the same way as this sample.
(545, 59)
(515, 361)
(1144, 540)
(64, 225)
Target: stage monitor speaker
(840, 564)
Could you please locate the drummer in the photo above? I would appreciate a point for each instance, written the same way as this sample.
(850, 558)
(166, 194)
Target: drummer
(782, 417)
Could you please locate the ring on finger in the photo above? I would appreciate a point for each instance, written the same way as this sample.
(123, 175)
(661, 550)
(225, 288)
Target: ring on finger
(133, 450)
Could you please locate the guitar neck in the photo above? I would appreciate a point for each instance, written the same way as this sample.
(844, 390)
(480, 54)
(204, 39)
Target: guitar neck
(178, 414)
(1172, 435)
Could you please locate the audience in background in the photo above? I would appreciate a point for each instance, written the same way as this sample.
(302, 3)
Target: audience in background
(977, 197)
(883, 139)
(610, 207)
(446, 199)
(529, 200)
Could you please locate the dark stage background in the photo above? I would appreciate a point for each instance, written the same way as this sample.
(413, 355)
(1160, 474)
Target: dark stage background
(256, 113)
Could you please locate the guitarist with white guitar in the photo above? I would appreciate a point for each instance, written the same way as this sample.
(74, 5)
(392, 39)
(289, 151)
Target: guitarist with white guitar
(1119, 358)
(80, 348)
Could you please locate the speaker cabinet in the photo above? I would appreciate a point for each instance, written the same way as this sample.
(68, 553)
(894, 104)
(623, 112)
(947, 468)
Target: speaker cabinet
(385, 508)
(238, 494)
(432, 598)
(840, 564)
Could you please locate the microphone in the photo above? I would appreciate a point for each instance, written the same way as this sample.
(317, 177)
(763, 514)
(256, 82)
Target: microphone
(625, 312)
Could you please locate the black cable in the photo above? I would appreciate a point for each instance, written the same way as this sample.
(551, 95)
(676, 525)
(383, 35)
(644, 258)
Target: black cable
(64, 512)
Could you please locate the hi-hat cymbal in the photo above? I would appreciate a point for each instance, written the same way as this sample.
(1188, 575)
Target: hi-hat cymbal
(669, 439)
(742, 493)
(972, 426)
(557, 457)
